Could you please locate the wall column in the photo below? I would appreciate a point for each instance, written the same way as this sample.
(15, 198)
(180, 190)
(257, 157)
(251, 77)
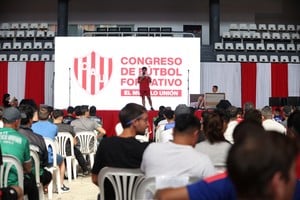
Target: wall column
(62, 17)
(214, 21)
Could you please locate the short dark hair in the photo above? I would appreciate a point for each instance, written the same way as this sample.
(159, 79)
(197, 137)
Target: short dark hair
(130, 112)
(186, 123)
(93, 110)
(252, 163)
(70, 109)
(293, 122)
(77, 110)
(253, 115)
(57, 113)
(43, 112)
(144, 68)
(28, 110)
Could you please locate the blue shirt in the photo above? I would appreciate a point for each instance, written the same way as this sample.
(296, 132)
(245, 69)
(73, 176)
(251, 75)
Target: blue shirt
(220, 187)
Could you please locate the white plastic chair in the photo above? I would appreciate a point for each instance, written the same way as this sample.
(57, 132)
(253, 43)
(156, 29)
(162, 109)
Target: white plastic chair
(34, 57)
(88, 144)
(23, 57)
(3, 57)
(8, 162)
(36, 159)
(239, 46)
(263, 58)
(295, 59)
(148, 186)
(37, 45)
(260, 46)
(218, 46)
(221, 58)
(62, 139)
(281, 27)
(54, 169)
(124, 181)
(284, 59)
(229, 46)
(252, 58)
(274, 58)
(27, 45)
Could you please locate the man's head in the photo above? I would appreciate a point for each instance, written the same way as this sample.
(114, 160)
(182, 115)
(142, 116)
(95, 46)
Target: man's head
(253, 115)
(57, 115)
(11, 117)
(93, 110)
(134, 116)
(215, 88)
(248, 106)
(182, 109)
(43, 112)
(262, 166)
(266, 112)
(187, 126)
(144, 70)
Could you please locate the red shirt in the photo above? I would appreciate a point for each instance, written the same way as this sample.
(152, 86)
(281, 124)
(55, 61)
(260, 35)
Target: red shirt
(144, 82)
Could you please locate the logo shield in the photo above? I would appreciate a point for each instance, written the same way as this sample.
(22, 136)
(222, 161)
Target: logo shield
(92, 72)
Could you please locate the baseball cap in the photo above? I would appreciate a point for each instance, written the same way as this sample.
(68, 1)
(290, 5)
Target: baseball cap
(12, 114)
(182, 109)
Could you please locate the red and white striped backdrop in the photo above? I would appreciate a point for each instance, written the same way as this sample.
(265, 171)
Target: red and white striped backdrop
(241, 82)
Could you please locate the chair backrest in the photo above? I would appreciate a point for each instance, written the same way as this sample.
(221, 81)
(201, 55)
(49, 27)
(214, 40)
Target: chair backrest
(85, 138)
(54, 147)
(62, 139)
(147, 187)
(36, 159)
(124, 181)
(10, 162)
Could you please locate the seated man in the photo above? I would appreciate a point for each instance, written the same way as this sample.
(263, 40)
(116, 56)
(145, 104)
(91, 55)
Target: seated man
(171, 154)
(15, 144)
(124, 150)
(36, 140)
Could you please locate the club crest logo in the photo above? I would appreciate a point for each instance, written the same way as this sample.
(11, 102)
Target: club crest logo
(92, 72)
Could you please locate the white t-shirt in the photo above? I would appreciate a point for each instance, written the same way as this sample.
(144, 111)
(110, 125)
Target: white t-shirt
(272, 125)
(217, 152)
(170, 159)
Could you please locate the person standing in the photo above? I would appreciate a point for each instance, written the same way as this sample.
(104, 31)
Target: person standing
(144, 80)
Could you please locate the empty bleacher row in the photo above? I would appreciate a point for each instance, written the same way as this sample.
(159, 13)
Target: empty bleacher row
(27, 57)
(26, 42)
(259, 43)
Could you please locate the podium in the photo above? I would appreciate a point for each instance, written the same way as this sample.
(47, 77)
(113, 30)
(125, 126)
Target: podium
(212, 99)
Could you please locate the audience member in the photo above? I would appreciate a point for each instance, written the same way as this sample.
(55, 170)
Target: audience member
(15, 144)
(6, 100)
(286, 110)
(57, 120)
(93, 116)
(253, 115)
(268, 123)
(167, 135)
(124, 150)
(270, 158)
(215, 145)
(69, 117)
(32, 103)
(83, 123)
(277, 115)
(232, 112)
(201, 102)
(160, 116)
(168, 163)
(47, 129)
(248, 106)
(36, 140)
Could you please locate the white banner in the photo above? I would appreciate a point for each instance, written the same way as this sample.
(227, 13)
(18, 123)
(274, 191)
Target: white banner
(103, 71)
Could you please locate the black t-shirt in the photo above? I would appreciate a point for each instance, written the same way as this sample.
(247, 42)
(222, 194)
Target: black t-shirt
(118, 152)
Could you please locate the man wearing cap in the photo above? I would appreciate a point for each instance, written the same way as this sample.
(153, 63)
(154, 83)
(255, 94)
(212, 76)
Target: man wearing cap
(15, 144)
